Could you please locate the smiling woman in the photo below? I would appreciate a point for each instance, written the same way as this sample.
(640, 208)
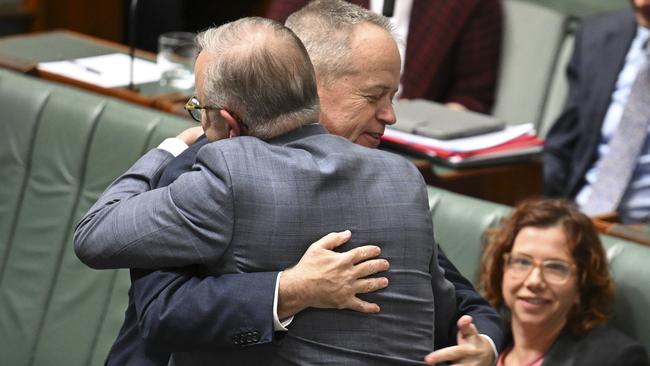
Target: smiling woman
(546, 270)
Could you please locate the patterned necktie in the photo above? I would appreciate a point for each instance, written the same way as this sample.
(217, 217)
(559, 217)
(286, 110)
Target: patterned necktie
(616, 167)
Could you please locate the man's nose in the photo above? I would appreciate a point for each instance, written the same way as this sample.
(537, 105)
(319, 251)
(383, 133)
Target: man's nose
(386, 114)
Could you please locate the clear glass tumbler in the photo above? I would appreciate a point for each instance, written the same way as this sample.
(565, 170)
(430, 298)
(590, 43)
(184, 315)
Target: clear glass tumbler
(176, 53)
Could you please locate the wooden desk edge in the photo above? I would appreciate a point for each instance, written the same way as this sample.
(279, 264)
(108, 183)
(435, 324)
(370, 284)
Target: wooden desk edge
(117, 46)
(121, 93)
(166, 102)
(621, 231)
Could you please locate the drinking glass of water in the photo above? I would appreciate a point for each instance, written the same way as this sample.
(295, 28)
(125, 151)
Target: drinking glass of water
(176, 53)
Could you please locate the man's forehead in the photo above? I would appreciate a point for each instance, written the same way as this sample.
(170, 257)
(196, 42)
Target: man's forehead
(366, 32)
(364, 82)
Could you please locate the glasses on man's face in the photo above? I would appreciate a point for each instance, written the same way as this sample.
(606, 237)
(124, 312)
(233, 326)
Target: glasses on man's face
(194, 107)
(553, 270)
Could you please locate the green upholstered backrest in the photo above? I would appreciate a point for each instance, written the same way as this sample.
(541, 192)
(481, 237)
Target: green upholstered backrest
(558, 89)
(629, 264)
(532, 38)
(460, 221)
(60, 147)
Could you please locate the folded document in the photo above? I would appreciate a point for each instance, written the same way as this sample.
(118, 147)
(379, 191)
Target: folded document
(510, 144)
(108, 71)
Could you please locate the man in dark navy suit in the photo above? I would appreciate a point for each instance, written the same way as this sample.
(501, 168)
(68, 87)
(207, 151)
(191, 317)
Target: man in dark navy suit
(611, 51)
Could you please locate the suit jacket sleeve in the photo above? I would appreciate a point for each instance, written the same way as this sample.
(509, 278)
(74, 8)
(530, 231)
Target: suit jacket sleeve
(563, 136)
(180, 311)
(188, 222)
(469, 302)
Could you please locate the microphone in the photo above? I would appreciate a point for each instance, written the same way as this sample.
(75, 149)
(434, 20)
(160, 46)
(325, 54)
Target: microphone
(389, 8)
(132, 13)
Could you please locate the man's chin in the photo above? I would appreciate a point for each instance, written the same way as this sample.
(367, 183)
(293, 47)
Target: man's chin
(368, 141)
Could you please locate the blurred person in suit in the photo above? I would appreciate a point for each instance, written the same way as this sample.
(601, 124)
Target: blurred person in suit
(450, 49)
(546, 269)
(597, 152)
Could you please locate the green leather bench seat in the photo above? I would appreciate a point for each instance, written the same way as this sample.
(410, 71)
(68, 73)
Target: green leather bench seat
(459, 222)
(60, 148)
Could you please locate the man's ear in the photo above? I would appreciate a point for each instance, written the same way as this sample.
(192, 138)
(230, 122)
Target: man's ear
(233, 126)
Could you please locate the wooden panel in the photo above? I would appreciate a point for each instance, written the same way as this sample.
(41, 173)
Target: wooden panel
(639, 233)
(504, 183)
(15, 17)
(100, 18)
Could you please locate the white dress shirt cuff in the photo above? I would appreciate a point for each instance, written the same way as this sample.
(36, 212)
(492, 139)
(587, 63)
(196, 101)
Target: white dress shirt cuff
(173, 145)
(279, 326)
(494, 347)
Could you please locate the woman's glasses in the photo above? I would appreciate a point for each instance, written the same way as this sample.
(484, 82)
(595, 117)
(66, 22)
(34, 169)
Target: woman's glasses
(553, 270)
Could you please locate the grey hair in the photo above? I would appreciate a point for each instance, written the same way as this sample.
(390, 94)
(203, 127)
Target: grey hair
(260, 71)
(326, 27)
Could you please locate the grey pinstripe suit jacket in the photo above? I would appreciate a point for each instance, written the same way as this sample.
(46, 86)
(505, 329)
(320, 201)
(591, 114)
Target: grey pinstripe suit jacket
(252, 206)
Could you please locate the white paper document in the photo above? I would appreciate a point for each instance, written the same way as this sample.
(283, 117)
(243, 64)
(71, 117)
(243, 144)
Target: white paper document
(466, 144)
(109, 71)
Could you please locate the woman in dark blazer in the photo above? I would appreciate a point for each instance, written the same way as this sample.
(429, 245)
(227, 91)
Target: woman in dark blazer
(546, 269)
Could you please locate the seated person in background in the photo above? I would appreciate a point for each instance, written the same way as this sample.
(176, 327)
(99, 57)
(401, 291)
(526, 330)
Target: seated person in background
(546, 268)
(452, 47)
(597, 152)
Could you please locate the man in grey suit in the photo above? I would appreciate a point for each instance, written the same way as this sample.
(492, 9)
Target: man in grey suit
(253, 202)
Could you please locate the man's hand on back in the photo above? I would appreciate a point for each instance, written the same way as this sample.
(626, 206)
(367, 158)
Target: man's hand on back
(324, 278)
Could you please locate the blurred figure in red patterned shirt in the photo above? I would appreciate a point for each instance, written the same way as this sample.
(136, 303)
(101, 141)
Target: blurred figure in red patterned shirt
(451, 50)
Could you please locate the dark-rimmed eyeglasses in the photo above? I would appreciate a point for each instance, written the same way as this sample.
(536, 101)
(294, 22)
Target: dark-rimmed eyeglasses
(553, 270)
(194, 107)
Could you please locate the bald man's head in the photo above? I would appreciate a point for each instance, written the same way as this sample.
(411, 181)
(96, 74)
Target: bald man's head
(258, 69)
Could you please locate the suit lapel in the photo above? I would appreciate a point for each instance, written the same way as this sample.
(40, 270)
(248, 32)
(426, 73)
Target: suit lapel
(602, 57)
(560, 353)
(616, 43)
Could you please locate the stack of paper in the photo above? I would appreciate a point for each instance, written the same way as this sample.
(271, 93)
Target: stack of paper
(108, 71)
(505, 145)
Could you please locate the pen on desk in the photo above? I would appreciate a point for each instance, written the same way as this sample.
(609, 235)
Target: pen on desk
(87, 68)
